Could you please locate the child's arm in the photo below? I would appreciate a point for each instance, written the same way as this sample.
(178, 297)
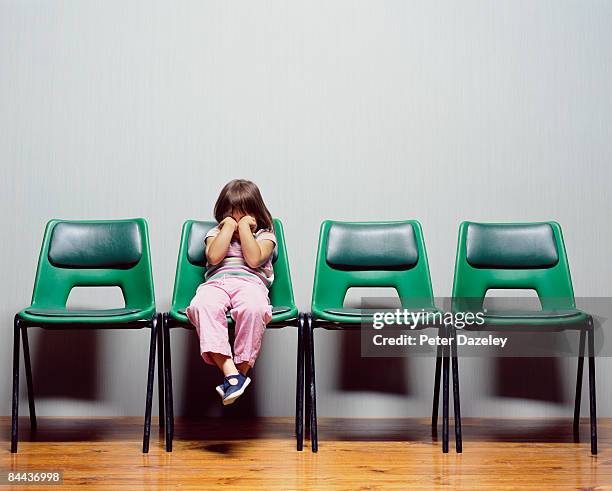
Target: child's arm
(255, 252)
(216, 247)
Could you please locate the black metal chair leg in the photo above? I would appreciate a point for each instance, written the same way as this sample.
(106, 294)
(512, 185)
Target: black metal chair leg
(436, 393)
(314, 443)
(456, 400)
(15, 408)
(579, 376)
(28, 371)
(306, 380)
(160, 372)
(445, 374)
(150, 380)
(168, 385)
(299, 386)
(592, 395)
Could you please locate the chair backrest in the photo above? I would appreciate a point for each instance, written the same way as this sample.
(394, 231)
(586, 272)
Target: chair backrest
(94, 253)
(191, 265)
(512, 256)
(371, 254)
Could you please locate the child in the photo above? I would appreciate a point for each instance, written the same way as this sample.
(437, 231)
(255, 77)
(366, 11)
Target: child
(238, 275)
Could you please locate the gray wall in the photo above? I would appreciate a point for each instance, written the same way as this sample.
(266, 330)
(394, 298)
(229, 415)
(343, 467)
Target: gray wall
(441, 111)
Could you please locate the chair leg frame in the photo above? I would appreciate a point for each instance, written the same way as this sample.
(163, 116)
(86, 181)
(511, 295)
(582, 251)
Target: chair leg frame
(169, 400)
(444, 355)
(299, 386)
(587, 334)
(15, 406)
(28, 372)
(160, 372)
(445, 395)
(592, 395)
(311, 385)
(436, 393)
(21, 332)
(150, 380)
(307, 379)
(456, 400)
(168, 384)
(579, 377)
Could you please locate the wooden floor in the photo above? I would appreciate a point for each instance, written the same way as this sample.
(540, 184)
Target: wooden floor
(353, 454)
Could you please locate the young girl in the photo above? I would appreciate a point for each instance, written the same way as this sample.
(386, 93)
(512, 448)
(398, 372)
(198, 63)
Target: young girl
(238, 275)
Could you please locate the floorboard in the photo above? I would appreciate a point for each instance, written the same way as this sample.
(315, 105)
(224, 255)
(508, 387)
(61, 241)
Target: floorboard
(259, 454)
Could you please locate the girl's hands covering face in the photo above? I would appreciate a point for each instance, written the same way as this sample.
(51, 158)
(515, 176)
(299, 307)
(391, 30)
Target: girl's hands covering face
(250, 221)
(230, 222)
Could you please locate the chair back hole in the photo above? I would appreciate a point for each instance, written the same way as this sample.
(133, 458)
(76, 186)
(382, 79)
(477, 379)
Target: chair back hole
(386, 296)
(95, 298)
(512, 299)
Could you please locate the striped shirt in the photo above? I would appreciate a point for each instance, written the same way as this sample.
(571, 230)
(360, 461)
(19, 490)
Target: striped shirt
(234, 262)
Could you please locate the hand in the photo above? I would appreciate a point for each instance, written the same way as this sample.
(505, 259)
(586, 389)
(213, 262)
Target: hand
(230, 222)
(250, 221)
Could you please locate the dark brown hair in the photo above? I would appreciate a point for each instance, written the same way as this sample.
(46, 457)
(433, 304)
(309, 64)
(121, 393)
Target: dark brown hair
(243, 196)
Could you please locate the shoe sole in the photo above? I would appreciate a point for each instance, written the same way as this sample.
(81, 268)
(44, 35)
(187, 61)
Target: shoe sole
(232, 397)
(219, 389)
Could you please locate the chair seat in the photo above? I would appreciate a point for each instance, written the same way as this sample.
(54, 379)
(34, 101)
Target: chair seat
(538, 314)
(279, 313)
(353, 312)
(81, 313)
(66, 316)
(350, 315)
(518, 318)
(275, 310)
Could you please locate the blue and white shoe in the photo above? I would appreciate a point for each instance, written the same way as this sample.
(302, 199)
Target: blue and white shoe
(233, 387)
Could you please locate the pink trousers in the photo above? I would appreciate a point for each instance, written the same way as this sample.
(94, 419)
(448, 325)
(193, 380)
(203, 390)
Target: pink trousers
(246, 297)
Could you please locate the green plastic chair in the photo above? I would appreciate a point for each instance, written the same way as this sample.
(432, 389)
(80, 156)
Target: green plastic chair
(90, 253)
(368, 254)
(190, 270)
(524, 256)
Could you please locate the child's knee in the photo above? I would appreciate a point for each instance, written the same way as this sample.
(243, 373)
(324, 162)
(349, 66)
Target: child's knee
(202, 303)
(199, 310)
(254, 311)
(210, 308)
